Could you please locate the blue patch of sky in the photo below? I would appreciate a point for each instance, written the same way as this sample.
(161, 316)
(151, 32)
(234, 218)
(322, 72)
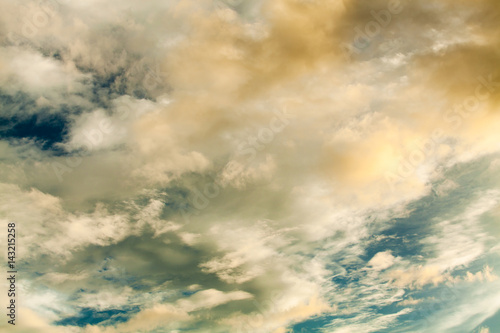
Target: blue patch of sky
(89, 316)
(23, 119)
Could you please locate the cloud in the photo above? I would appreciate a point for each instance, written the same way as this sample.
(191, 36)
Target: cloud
(210, 298)
(32, 322)
(463, 237)
(276, 320)
(472, 308)
(40, 76)
(417, 277)
(220, 164)
(410, 301)
(381, 261)
(173, 315)
(485, 275)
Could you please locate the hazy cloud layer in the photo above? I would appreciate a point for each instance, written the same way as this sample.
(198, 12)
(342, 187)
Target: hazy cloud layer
(252, 166)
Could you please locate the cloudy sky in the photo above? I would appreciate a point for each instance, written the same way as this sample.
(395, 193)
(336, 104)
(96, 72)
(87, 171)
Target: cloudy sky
(266, 166)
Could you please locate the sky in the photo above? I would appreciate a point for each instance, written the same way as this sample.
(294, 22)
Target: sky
(265, 166)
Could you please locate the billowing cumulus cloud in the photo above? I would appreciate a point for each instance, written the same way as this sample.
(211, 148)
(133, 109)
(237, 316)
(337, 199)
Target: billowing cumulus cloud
(251, 166)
